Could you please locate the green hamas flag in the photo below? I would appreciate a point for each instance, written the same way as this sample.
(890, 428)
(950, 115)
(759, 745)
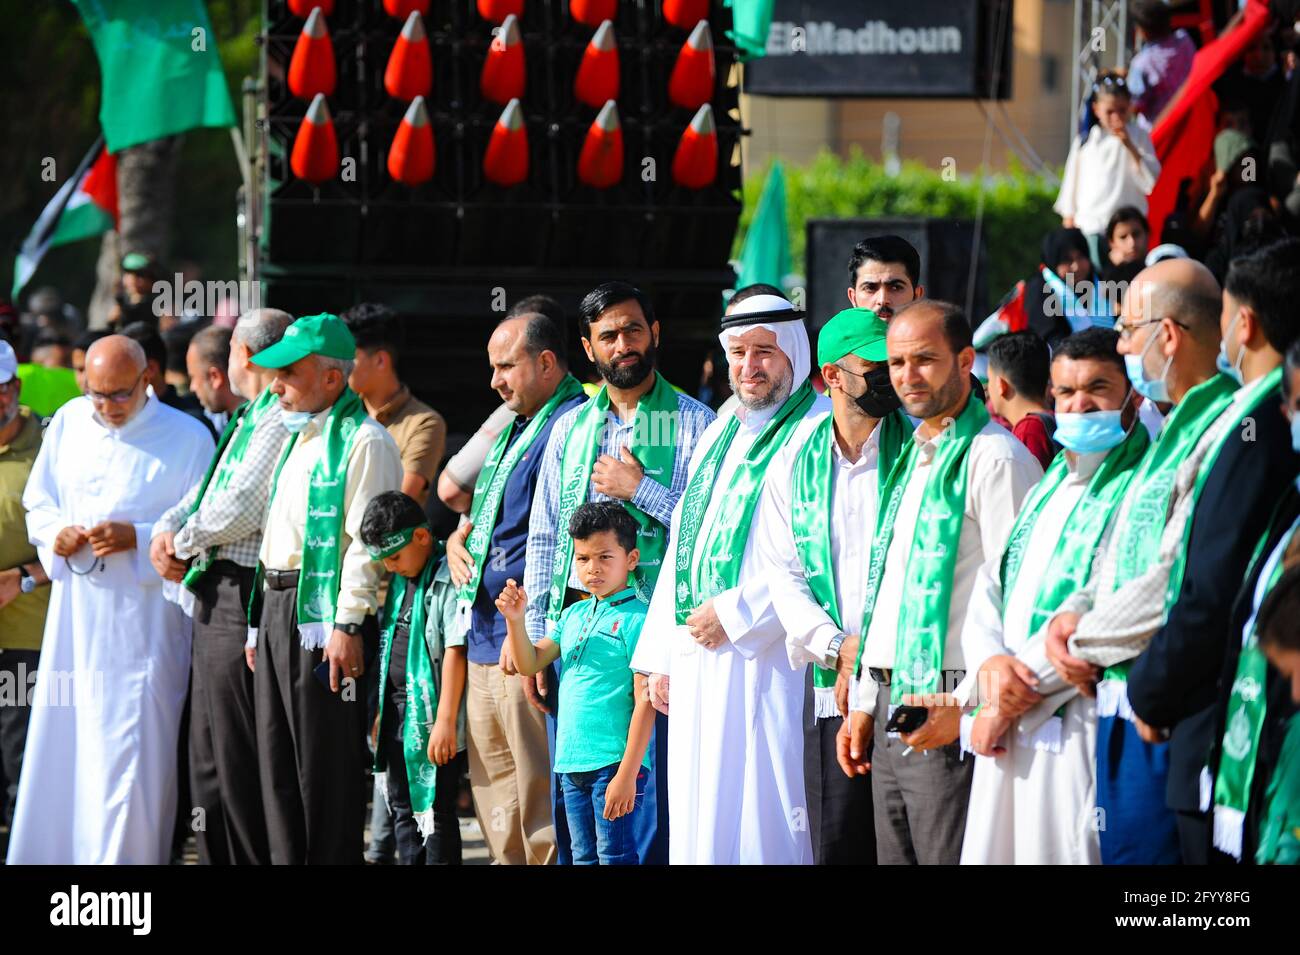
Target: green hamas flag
(162, 74)
(751, 20)
(765, 256)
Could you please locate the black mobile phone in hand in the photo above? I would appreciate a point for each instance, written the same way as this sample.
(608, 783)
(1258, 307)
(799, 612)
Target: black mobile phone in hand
(322, 671)
(907, 719)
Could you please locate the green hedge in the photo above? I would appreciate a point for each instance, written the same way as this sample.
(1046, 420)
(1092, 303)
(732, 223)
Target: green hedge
(1017, 206)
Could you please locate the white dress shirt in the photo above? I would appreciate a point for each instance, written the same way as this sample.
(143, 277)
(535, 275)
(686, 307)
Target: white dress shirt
(1000, 473)
(374, 466)
(855, 496)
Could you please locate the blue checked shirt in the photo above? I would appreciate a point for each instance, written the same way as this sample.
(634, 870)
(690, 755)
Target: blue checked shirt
(651, 497)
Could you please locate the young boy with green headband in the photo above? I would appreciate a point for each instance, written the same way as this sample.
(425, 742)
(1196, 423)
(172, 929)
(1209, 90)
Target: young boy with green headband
(421, 739)
(605, 717)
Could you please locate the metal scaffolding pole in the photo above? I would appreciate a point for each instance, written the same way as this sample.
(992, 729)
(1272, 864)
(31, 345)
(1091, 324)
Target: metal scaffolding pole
(1101, 41)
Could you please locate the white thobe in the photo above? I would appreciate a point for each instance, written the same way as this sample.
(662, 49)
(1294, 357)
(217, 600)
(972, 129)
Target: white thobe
(855, 496)
(735, 741)
(1000, 474)
(99, 774)
(1032, 805)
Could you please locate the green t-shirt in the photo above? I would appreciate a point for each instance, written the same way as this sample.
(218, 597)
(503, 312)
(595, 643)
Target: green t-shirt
(22, 621)
(597, 639)
(1279, 832)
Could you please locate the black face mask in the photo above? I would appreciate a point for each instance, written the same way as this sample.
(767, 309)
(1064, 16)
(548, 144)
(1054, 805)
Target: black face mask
(879, 399)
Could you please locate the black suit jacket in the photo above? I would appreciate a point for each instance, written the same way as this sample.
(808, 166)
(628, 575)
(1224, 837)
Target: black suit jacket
(1277, 688)
(1175, 682)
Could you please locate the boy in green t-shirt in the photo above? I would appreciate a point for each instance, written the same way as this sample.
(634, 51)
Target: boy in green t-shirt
(605, 718)
(421, 739)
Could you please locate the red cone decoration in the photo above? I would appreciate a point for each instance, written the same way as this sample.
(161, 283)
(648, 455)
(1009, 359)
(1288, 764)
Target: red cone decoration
(695, 164)
(303, 8)
(401, 9)
(311, 68)
(410, 66)
(600, 164)
(412, 156)
(597, 79)
(497, 10)
(684, 14)
(506, 160)
(691, 84)
(503, 70)
(315, 156)
(593, 12)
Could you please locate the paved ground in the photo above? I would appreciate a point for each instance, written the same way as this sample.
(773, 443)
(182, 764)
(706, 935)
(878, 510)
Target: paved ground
(474, 849)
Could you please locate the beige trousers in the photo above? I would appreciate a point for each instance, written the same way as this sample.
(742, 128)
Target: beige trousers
(509, 769)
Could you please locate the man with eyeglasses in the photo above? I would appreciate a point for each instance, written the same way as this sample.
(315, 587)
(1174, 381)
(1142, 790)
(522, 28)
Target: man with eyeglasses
(99, 775)
(1169, 337)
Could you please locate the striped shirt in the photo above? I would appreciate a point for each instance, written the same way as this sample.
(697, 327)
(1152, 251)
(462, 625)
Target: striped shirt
(651, 497)
(230, 520)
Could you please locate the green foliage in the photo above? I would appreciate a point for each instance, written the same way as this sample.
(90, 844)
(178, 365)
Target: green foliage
(1017, 206)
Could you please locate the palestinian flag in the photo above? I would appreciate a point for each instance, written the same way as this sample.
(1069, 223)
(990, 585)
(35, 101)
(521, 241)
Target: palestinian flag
(84, 207)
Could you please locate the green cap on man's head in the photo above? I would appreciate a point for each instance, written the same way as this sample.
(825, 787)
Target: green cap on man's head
(322, 334)
(854, 331)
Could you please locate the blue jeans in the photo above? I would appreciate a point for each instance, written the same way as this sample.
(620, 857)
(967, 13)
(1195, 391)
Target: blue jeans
(595, 839)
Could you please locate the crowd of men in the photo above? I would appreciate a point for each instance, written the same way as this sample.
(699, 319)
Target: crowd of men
(852, 618)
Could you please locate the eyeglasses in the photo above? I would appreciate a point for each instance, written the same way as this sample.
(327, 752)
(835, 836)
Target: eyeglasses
(1126, 331)
(117, 397)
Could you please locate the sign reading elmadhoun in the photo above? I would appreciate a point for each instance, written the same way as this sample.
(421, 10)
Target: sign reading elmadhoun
(921, 48)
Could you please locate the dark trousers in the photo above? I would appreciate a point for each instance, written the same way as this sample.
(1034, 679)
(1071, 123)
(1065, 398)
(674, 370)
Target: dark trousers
(14, 716)
(223, 732)
(310, 746)
(443, 845)
(840, 820)
(1194, 837)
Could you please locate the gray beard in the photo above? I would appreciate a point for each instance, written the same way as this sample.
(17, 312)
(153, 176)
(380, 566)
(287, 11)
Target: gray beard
(775, 396)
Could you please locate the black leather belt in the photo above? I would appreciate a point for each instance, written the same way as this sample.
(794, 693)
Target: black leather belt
(280, 579)
(882, 676)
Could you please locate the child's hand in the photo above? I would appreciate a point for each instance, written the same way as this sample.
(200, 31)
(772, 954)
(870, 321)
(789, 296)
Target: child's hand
(512, 601)
(620, 795)
(442, 742)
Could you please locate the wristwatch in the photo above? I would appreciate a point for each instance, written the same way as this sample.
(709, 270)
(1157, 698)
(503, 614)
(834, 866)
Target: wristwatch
(833, 650)
(26, 582)
(351, 629)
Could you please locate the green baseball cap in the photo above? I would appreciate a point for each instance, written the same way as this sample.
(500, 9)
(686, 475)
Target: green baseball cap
(854, 331)
(322, 334)
(138, 262)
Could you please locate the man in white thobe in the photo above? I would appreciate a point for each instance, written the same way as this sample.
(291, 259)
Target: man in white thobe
(1034, 790)
(99, 776)
(735, 746)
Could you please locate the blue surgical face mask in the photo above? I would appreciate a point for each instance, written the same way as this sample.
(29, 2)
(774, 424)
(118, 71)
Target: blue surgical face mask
(296, 421)
(1227, 367)
(1089, 432)
(1154, 388)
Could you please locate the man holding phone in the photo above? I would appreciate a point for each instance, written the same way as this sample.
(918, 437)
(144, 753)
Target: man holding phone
(947, 505)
